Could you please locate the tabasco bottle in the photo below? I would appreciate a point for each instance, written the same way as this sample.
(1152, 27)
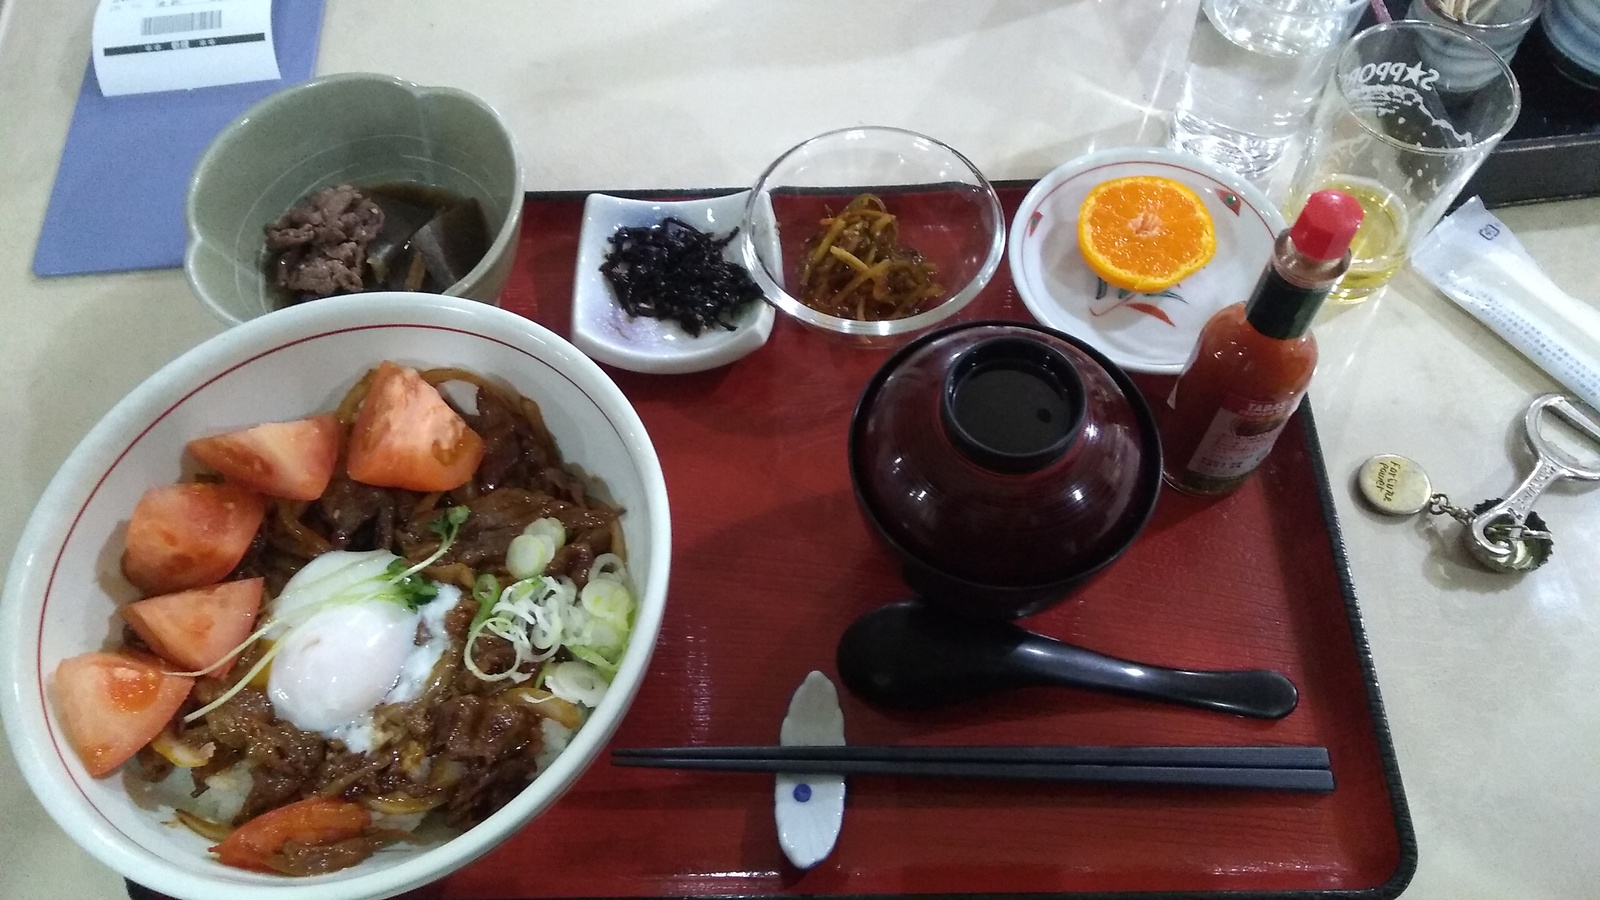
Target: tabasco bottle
(1254, 359)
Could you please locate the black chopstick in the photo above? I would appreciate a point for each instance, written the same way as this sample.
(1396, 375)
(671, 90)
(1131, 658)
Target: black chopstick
(1262, 757)
(1264, 768)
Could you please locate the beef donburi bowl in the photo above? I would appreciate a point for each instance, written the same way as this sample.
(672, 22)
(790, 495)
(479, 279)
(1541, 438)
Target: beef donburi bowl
(335, 602)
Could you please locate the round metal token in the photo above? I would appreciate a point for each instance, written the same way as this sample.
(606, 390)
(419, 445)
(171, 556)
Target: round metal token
(1394, 485)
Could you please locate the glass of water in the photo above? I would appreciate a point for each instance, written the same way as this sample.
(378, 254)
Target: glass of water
(1254, 72)
(1395, 130)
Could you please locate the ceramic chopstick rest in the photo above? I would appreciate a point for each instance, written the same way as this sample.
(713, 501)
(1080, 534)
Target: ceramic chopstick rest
(810, 808)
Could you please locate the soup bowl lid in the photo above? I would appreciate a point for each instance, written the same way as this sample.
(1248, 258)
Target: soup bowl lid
(1005, 454)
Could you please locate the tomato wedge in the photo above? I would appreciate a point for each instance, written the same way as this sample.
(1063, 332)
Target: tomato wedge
(196, 628)
(111, 704)
(294, 460)
(311, 821)
(407, 436)
(183, 536)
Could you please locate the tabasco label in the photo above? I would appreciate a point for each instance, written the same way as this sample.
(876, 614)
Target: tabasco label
(1240, 436)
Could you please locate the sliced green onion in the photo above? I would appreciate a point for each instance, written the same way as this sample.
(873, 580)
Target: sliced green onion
(578, 682)
(528, 555)
(608, 600)
(547, 527)
(540, 615)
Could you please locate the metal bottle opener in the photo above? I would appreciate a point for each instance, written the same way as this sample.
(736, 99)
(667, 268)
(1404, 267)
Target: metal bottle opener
(1505, 535)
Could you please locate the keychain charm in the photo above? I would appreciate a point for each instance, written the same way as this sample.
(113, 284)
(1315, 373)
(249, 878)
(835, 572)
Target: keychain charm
(1394, 485)
(1505, 535)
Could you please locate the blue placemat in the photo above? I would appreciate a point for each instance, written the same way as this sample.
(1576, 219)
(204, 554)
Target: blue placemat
(117, 203)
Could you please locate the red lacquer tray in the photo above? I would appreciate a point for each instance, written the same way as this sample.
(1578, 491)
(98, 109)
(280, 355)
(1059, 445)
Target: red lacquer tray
(771, 561)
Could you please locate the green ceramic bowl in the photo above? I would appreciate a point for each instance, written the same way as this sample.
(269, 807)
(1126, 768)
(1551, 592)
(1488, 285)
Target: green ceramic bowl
(360, 129)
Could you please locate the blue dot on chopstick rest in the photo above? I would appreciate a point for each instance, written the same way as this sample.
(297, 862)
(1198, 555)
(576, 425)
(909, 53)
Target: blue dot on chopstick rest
(802, 792)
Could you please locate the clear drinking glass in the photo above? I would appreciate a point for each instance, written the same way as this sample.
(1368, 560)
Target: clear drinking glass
(1254, 71)
(1395, 131)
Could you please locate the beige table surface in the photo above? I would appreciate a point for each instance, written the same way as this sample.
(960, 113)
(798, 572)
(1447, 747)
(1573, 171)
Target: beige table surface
(1492, 684)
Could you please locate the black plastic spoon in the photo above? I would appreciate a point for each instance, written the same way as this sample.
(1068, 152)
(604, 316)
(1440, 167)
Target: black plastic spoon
(909, 656)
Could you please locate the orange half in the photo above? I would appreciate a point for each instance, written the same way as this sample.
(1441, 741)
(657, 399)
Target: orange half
(1145, 233)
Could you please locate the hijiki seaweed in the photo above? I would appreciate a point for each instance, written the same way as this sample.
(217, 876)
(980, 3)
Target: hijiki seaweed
(676, 271)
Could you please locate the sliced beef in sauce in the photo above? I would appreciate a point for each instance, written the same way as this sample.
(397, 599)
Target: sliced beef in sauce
(516, 452)
(496, 518)
(350, 508)
(296, 858)
(494, 743)
(283, 758)
(320, 247)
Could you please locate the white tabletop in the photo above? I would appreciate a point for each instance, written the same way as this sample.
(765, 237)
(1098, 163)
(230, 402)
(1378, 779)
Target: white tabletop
(1492, 683)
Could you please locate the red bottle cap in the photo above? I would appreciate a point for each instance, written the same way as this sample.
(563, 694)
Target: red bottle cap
(1327, 224)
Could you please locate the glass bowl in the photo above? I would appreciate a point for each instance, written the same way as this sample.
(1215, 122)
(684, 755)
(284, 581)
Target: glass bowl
(1004, 463)
(943, 206)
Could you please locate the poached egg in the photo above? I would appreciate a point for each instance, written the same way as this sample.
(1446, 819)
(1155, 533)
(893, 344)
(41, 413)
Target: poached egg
(351, 647)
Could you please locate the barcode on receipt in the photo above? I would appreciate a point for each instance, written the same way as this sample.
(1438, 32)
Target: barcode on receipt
(206, 20)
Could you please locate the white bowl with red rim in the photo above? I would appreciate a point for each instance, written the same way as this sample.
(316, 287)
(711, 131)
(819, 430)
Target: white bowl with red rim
(64, 583)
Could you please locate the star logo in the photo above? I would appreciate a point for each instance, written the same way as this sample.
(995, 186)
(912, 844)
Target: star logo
(1413, 74)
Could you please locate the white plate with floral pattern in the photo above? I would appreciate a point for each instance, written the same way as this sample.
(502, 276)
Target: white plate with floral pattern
(1141, 332)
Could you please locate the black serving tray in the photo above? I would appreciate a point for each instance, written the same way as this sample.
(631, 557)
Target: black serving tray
(1553, 150)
